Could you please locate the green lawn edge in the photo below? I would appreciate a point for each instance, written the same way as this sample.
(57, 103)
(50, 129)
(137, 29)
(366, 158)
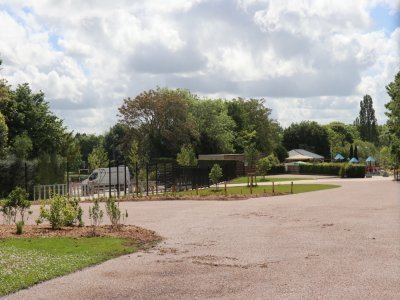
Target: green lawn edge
(25, 262)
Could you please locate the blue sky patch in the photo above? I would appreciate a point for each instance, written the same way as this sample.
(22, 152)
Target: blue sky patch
(384, 20)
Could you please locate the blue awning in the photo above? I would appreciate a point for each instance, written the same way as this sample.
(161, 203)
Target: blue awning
(353, 160)
(339, 157)
(370, 158)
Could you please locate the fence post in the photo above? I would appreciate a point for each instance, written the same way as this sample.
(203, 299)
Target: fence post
(26, 178)
(117, 180)
(291, 188)
(165, 177)
(156, 179)
(137, 179)
(147, 179)
(273, 187)
(67, 179)
(124, 178)
(109, 179)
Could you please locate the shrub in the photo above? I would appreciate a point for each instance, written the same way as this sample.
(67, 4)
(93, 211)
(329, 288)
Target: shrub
(16, 203)
(215, 174)
(320, 168)
(335, 169)
(62, 212)
(114, 213)
(355, 171)
(95, 215)
(265, 164)
(20, 227)
(280, 169)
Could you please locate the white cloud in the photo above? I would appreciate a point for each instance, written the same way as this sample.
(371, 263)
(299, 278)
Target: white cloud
(310, 59)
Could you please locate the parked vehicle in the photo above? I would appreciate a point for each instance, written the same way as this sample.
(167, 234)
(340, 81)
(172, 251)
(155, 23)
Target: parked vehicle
(101, 176)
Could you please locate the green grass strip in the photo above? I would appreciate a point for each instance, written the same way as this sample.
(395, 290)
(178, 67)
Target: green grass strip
(268, 179)
(260, 189)
(27, 261)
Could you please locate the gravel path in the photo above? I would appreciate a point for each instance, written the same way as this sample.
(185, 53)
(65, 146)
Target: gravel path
(342, 243)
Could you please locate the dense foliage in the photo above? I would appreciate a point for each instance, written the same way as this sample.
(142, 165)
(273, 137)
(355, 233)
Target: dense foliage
(393, 113)
(309, 136)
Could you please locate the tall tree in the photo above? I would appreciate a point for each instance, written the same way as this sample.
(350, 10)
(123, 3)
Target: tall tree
(366, 121)
(160, 119)
(214, 125)
(393, 113)
(3, 135)
(351, 152)
(117, 142)
(307, 135)
(253, 124)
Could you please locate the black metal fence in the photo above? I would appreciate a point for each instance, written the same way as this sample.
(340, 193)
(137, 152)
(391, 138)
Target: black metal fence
(42, 180)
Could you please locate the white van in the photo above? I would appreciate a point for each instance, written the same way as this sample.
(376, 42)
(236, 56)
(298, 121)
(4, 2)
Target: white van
(101, 177)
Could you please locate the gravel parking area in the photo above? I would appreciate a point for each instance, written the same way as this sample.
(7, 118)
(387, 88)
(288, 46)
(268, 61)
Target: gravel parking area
(342, 243)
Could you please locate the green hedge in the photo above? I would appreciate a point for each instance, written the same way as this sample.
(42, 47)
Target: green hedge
(320, 169)
(280, 169)
(334, 169)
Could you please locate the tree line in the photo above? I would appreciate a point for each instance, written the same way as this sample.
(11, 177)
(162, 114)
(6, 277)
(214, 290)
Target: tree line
(175, 123)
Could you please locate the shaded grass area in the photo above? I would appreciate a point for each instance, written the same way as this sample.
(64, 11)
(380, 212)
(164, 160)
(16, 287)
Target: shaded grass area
(27, 261)
(270, 179)
(244, 190)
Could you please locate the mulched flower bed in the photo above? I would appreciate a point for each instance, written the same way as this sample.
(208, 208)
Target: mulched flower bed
(124, 231)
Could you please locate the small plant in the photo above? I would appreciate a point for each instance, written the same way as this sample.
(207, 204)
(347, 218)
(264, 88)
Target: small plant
(95, 215)
(17, 203)
(114, 213)
(20, 227)
(62, 212)
(215, 174)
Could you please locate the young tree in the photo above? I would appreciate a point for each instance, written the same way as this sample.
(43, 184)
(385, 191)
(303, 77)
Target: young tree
(215, 174)
(356, 151)
(97, 158)
(265, 164)
(187, 156)
(351, 152)
(393, 113)
(366, 121)
(250, 155)
(22, 146)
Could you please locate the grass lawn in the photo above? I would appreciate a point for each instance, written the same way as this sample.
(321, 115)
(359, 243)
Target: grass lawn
(270, 179)
(26, 261)
(244, 190)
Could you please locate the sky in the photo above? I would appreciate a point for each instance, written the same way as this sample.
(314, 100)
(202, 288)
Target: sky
(309, 59)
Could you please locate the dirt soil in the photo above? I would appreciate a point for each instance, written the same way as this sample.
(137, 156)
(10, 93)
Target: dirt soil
(126, 231)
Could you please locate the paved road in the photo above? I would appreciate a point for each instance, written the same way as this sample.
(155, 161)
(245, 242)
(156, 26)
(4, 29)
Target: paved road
(334, 244)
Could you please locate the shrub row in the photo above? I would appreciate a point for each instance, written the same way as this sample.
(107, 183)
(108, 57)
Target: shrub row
(320, 169)
(334, 169)
(279, 169)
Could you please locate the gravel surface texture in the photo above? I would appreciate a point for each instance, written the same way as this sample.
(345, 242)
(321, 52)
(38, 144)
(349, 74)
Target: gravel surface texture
(342, 243)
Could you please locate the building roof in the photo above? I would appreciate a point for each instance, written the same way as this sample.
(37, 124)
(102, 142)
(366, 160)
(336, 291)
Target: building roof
(304, 153)
(237, 157)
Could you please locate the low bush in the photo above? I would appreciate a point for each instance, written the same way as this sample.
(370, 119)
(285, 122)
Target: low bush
(114, 213)
(279, 169)
(17, 203)
(20, 227)
(355, 171)
(62, 212)
(334, 169)
(95, 215)
(320, 169)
